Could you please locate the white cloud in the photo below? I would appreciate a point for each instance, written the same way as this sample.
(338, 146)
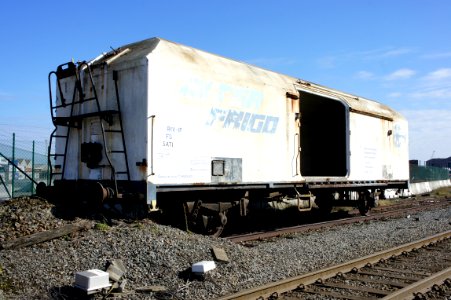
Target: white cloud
(437, 55)
(6, 97)
(395, 95)
(440, 74)
(332, 61)
(428, 130)
(432, 93)
(384, 53)
(435, 85)
(401, 74)
(396, 52)
(328, 62)
(364, 75)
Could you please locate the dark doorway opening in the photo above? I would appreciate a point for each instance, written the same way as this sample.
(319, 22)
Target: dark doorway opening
(324, 136)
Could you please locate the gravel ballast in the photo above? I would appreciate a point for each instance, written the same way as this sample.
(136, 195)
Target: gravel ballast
(156, 255)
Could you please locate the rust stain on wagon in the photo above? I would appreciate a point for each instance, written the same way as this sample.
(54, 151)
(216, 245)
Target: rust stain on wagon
(294, 101)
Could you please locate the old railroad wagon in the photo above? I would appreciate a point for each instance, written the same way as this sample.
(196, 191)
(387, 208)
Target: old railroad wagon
(173, 125)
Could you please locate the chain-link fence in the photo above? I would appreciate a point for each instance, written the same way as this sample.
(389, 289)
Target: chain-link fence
(427, 173)
(22, 164)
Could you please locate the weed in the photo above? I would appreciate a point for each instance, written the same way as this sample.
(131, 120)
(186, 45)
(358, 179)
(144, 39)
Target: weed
(102, 226)
(288, 236)
(443, 192)
(138, 225)
(6, 284)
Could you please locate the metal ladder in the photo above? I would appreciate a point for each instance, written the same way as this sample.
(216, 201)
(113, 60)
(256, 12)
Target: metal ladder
(74, 121)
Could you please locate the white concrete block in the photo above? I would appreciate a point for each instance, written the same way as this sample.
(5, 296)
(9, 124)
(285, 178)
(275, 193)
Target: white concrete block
(91, 280)
(203, 266)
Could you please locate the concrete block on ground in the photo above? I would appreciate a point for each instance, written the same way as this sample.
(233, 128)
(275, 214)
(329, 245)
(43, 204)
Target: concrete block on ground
(203, 267)
(220, 255)
(116, 270)
(92, 280)
(121, 287)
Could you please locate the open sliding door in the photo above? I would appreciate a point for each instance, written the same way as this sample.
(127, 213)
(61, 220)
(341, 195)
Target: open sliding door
(324, 136)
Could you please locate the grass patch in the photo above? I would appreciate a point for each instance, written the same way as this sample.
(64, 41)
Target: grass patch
(138, 225)
(442, 192)
(102, 226)
(388, 202)
(5, 283)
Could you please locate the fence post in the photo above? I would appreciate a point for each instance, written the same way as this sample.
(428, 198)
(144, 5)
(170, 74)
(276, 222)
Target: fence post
(48, 164)
(32, 170)
(14, 171)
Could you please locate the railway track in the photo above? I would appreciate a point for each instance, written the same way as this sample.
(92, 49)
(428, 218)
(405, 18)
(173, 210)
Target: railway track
(403, 272)
(384, 212)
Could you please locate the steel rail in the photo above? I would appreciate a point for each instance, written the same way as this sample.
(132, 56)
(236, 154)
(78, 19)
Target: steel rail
(292, 283)
(421, 286)
(315, 226)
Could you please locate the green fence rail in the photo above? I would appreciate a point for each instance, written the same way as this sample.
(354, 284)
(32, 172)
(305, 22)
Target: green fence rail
(424, 173)
(22, 165)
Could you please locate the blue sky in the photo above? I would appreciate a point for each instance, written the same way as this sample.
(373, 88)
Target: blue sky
(397, 52)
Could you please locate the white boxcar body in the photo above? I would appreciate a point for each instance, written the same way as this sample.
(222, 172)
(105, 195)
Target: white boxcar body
(196, 121)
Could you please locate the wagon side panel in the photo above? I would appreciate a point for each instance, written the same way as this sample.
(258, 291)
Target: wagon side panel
(217, 121)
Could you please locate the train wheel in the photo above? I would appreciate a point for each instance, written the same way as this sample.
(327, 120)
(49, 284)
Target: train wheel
(214, 225)
(204, 221)
(364, 203)
(324, 203)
